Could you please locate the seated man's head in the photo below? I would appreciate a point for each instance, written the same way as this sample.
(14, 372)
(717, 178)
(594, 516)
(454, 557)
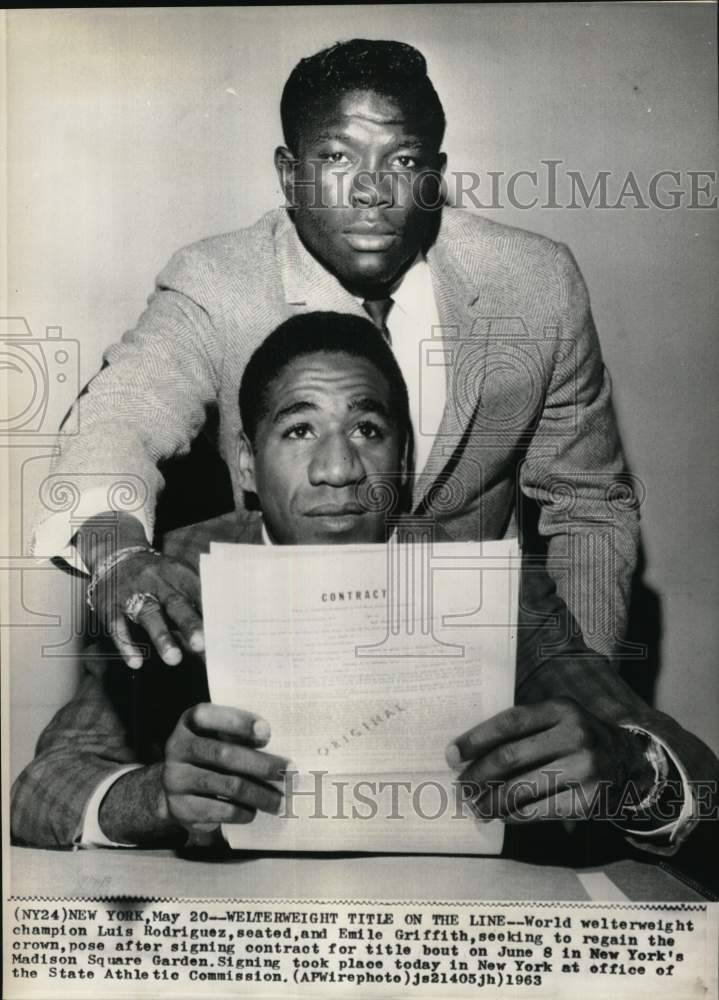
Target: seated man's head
(326, 430)
(362, 166)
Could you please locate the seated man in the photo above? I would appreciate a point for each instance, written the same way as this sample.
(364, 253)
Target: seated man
(133, 760)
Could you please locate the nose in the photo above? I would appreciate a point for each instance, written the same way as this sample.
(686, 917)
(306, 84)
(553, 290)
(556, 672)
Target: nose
(335, 462)
(371, 188)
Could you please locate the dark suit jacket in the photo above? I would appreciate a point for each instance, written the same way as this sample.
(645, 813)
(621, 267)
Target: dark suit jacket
(120, 716)
(528, 412)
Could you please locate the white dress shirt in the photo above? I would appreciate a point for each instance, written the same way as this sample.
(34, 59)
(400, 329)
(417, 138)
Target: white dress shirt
(413, 323)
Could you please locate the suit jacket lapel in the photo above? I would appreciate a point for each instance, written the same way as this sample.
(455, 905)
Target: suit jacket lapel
(307, 285)
(457, 300)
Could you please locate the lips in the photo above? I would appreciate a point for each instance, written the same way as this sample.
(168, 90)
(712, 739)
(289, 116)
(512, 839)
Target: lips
(369, 243)
(370, 237)
(370, 229)
(335, 510)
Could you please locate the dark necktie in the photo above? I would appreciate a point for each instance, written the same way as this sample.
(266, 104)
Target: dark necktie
(378, 311)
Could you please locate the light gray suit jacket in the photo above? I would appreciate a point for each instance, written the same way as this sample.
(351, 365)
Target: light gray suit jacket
(528, 409)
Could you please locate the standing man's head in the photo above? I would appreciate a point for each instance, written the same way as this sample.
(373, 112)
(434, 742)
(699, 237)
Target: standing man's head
(362, 164)
(326, 430)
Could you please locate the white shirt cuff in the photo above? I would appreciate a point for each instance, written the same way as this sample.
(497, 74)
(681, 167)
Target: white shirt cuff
(676, 832)
(92, 835)
(51, 538)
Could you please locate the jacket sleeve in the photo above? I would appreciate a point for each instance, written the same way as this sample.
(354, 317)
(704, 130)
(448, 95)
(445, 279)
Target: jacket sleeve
(553, 661)
(117, 717)
(87, 740)
(147, 404)
(574, 468)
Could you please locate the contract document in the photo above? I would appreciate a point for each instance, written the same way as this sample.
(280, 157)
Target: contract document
(366, 660)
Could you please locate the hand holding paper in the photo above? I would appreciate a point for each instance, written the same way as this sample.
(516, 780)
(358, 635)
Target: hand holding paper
(366, 660)
(214, 772)
(528, 762)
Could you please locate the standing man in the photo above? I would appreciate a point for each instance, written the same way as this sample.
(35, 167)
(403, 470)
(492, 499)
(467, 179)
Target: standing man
(491, 326)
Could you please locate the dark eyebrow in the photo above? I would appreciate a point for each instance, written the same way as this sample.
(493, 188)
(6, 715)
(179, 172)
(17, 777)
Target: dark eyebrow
(369, 405)
(405, 141)
(326, 136)
(301, 406)
(410, 142)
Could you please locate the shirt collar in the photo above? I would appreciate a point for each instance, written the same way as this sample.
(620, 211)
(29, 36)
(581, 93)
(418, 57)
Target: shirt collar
(408, 294)
(411, 291)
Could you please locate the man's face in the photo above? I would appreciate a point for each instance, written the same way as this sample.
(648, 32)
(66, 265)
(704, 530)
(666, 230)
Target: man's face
(363, 184)
(328, 426)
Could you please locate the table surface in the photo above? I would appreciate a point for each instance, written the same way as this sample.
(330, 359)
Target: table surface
(163, 875)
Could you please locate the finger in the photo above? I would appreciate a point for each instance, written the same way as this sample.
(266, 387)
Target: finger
(235, 788)
(519, 756)
(230, 758)
(152, 620)
(120, 634)
(180, 610)
(511, 724)
(177, 577)
(536, 789)
(188, 582)
(579, 802)
(225, 722)
(177, 607)
(180, 577)
(206, 814)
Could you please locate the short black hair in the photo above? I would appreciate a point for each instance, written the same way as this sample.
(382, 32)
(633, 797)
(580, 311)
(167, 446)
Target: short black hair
(392, 69)
(306, 334)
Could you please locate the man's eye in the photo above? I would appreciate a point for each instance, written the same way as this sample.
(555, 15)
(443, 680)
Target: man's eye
(335, 157)
(369, 430)
(298, 432)
(405, 161)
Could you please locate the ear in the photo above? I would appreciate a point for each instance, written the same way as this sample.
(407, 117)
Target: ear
(246, 464)
(285, 167)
